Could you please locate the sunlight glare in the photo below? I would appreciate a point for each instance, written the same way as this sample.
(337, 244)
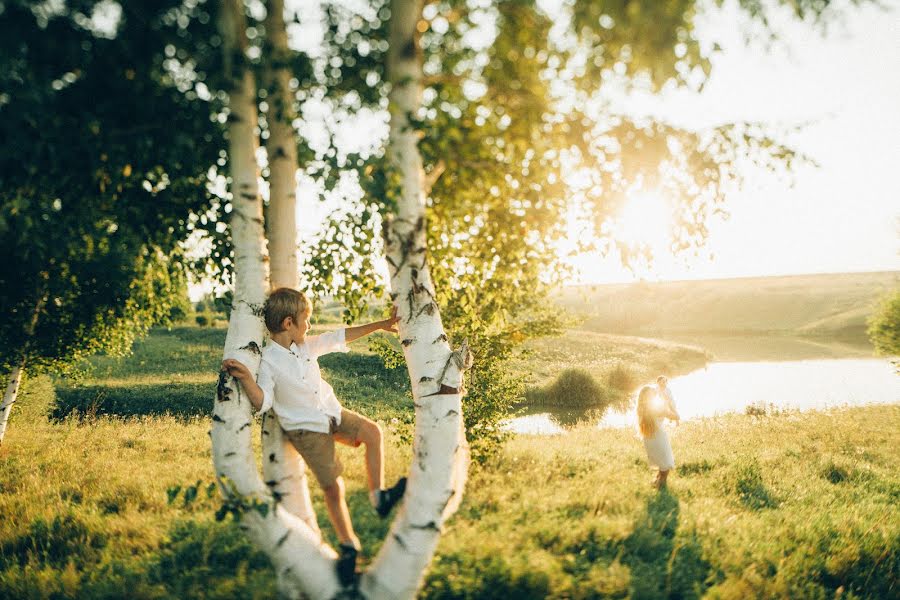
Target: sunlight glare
(645, 220)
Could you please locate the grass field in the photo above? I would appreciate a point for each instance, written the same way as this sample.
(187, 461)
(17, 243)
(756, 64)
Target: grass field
(832, 305)
(792, 506)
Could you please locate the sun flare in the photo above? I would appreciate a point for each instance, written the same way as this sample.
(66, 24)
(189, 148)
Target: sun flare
(645, 220)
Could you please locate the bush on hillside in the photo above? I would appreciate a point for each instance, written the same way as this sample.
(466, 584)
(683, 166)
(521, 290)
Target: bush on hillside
(574, 388)
(884, 325)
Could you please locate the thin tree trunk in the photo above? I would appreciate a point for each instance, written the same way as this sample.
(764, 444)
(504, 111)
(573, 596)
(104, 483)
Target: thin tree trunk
(283, 467)
(9, 397)
(440, 450)
(300, 559)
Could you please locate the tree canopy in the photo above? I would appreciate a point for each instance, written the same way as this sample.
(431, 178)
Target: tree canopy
(104, 161)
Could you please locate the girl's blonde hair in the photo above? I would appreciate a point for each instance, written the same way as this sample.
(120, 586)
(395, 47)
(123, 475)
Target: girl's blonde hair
(646, 422)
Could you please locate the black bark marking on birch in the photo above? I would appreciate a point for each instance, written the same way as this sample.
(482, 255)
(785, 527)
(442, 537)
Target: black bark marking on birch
(248, 196)
(429, 526)
(440, 338)
(265, 433)
(393, 296)
(400, 541)
(450, 495)
(391, 262)
(407, 342)
(217, 419)
(242, 427)
(282, 539)
(272, 458)
(230, 454)
(428, 309)
(409, 49)
(279, 153)
(445, 390)
(253, 347)
(426, 379)
(222, 389)
(451, 413)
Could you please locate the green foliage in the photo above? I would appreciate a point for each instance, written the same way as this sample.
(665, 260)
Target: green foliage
(574, 388)
(492, 392)
(96, 195)
(623, 379)
(202, 320)
(884, 325)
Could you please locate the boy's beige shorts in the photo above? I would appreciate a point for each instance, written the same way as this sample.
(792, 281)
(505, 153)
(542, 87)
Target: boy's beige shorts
(317, 449)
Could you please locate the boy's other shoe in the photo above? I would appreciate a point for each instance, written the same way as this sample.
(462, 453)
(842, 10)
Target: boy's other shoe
(389, 497)
(346, 564)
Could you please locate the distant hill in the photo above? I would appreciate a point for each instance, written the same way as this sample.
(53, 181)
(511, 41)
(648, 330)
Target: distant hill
(832, 305)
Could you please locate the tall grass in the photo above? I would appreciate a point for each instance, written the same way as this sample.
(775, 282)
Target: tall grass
(798, 505)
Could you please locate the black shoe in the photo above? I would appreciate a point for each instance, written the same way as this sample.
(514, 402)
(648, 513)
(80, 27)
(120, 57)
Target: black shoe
(346, 565)
(389, 497)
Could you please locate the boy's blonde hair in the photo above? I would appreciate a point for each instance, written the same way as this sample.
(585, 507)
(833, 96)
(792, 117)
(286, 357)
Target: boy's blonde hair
(281, 304)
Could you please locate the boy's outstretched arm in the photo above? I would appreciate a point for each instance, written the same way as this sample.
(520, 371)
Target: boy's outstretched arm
(389, 324)
(240, 372)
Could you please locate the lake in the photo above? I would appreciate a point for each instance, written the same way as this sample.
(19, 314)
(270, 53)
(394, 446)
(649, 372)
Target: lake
(727, 387)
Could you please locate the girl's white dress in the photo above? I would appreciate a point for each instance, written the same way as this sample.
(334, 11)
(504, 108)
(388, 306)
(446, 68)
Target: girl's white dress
(659, 450)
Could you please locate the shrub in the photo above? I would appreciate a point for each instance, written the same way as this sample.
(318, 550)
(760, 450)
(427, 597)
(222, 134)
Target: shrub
(202, 320)
(622, 378)
(884, 325)
(574, 388)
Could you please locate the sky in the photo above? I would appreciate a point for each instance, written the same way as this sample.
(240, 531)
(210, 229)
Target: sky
(842, 85)
(843, 215)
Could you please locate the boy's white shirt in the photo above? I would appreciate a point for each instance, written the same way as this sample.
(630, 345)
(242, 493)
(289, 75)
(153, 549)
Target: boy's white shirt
(292, 383)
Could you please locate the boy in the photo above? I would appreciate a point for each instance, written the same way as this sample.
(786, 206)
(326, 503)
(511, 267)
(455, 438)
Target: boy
(291, 384)
(665, 394)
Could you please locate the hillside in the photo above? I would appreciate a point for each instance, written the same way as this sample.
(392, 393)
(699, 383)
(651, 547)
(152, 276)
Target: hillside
(830, 305)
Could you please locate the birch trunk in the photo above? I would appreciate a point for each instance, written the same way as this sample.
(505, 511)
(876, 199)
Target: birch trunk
(301, 561)
(9, 397)
(440, 451)
(283, 468)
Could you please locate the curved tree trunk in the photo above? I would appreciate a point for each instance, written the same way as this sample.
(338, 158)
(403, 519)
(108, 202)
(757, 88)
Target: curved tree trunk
(299, 557)
(9, 397)
(440, 451)
(283, 468)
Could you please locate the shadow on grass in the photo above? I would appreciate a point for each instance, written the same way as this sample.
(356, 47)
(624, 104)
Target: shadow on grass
(183, 400)
(662, 566)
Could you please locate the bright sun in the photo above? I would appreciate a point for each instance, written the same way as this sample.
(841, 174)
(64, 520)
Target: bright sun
(646, 220)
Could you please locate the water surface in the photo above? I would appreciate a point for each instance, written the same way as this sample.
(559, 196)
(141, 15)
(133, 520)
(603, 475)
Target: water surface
(726, 387)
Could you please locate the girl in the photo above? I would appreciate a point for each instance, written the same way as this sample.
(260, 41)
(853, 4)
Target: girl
(650, 416)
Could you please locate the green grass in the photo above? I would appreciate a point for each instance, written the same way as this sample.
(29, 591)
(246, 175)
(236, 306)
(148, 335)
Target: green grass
(791, 505)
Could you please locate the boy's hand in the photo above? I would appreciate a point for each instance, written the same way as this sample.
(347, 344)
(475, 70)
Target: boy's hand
(236, 369)
(390, 324)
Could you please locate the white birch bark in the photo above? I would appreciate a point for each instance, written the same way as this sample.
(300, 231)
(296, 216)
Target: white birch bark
(300, 559)
(283, 467)
(440, 451)
(9, 398)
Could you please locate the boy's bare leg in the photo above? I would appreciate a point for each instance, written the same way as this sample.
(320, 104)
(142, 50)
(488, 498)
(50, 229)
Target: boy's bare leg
(340, 514)
(370, 436)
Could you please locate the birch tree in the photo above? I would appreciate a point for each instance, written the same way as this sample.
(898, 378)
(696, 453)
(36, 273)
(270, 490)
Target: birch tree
(283, 468)
(440, 450)
(437, 476)
(301, 560)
